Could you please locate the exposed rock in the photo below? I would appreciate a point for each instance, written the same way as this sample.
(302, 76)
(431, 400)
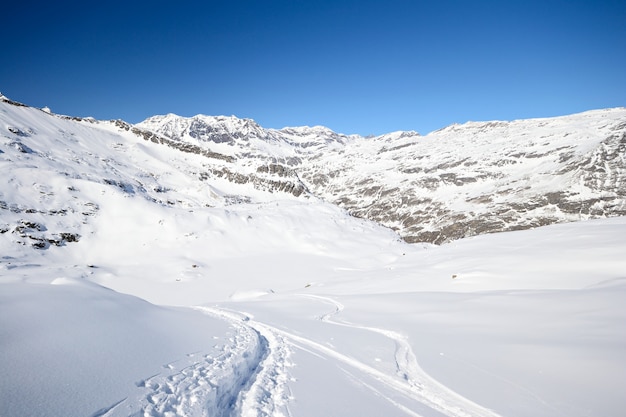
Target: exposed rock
(460, 181)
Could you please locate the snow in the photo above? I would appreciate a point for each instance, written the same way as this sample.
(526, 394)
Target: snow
(281, 306)
(72, 347)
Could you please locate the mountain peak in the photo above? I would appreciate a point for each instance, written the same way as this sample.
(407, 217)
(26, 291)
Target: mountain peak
(464, 180)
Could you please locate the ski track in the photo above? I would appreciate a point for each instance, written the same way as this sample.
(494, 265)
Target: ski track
(265, 393)
(249, 378)
(246, 379)
(411, 380)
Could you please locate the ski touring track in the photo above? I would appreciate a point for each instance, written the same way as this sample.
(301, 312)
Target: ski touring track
(247, 378)
(250, 376)
(410, 381)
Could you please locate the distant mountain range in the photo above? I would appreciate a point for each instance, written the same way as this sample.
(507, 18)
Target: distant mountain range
(460, 181)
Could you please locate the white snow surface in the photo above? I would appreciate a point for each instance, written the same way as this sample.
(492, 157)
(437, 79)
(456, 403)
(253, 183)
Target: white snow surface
(460, 181)
(173, 303)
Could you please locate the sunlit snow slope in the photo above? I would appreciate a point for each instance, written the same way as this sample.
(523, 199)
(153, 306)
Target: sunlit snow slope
(150, 274)
(460, 181)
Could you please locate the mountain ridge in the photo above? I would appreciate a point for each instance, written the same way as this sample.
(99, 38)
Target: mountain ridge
(456, 182)
(595, 153)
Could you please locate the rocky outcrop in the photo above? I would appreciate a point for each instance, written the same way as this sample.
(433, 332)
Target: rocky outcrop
(460, 181)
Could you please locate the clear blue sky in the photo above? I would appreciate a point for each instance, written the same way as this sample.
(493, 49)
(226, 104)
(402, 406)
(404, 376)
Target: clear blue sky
(359, 66)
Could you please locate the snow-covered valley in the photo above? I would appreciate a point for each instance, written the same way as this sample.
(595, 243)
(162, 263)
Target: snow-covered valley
(145, 273)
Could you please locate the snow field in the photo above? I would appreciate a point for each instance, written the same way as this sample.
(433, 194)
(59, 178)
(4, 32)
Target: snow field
(290, 306)
(526, 326)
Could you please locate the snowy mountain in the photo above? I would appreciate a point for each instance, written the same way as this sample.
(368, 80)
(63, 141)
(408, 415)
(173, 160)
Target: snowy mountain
(207, 266)
(460, 181)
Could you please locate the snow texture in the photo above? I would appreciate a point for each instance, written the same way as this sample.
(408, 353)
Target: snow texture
(154, 270)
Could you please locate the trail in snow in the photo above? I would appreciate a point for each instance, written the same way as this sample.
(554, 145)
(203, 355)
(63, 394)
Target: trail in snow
(221, 385)
(413, 381)
(250, 377)
(265, 392)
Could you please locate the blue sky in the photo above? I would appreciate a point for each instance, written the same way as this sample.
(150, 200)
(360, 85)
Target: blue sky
(366, 67)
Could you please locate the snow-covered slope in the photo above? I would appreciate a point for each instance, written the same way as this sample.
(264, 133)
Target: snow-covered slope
(159, 275)
(460, 181)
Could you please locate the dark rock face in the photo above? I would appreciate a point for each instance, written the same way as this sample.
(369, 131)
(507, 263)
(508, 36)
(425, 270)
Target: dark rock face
(460, 181)
(28, 232)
